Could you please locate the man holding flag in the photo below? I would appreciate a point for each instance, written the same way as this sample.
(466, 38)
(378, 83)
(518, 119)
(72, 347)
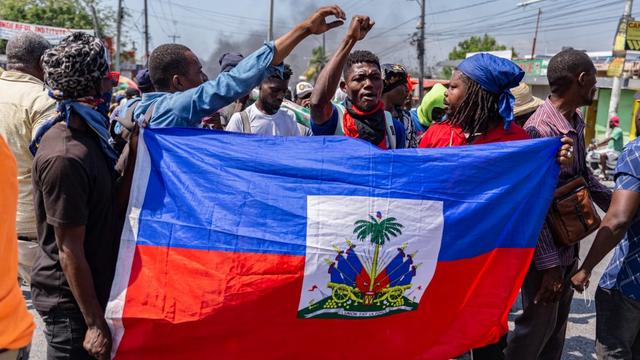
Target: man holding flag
(250, 255)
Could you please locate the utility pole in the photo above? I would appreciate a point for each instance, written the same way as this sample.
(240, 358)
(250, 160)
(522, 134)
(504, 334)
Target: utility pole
(616, 88)
(270, 33)
(535, 35)
(174, 37)
(116, 63)
(421, 50)
(146, 33)
(96, 24)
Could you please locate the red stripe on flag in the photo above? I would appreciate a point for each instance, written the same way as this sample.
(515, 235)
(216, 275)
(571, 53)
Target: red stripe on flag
(184, 303)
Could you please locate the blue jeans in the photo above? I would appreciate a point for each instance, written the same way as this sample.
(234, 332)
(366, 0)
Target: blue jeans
(64, 331)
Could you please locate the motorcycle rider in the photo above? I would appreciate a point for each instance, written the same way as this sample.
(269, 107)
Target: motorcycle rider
(614, 146)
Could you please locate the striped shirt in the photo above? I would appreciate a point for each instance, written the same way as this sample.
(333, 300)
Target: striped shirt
(547, 121)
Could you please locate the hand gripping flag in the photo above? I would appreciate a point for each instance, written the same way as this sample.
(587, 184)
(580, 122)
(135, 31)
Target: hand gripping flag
(240, 247)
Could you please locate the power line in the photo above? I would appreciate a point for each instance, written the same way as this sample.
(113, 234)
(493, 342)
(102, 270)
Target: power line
(518, 20)
(393, 47)
(569, 25)
(464, 7)
(201, 26)
(526, 20)
(394, 27)
(154, 14)
(223, 14)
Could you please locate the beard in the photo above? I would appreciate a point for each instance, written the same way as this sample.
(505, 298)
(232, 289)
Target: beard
(271, 107)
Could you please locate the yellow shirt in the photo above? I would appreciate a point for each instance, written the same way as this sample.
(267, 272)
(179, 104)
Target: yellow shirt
(24, 106)
(16, 323)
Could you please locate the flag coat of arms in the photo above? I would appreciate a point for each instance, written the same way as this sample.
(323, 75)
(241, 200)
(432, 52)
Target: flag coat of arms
(239, 246)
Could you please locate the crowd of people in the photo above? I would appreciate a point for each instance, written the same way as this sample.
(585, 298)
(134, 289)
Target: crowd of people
(74, 153)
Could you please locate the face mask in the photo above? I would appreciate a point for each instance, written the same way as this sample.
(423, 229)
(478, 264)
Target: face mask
(103, 107)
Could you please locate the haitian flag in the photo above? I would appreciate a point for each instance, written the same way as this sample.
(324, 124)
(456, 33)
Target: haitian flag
(238, 246)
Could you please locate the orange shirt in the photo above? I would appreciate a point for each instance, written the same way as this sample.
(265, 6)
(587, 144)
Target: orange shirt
(16, 323)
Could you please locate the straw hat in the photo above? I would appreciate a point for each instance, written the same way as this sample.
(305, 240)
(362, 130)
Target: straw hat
(525, 101)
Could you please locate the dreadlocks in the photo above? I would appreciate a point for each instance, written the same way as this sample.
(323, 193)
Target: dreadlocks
(478, 111)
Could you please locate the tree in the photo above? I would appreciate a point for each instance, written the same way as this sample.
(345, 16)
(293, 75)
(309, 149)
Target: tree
(379, 231)
(475, 44)
(60, 13)
(472, 44)
(316, 62)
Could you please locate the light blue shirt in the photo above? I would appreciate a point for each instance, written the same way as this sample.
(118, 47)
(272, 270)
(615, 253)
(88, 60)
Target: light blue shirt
(187, 108)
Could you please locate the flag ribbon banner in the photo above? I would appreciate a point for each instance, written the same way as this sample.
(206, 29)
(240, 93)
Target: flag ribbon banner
(238, 246)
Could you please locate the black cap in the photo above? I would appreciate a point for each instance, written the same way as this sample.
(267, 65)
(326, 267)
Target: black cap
(144, 80)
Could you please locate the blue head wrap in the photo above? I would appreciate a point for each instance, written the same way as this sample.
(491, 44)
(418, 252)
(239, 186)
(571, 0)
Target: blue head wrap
(495, 75)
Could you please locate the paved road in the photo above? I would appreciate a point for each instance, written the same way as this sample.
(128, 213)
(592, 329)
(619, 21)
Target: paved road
(580, 331)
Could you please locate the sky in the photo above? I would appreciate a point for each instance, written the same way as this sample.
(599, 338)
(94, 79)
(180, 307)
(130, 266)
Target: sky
(211, 28)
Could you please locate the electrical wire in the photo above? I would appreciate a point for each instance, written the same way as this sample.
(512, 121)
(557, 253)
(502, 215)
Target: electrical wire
(393, 28)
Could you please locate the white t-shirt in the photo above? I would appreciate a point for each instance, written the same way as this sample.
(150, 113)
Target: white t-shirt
(278, 124)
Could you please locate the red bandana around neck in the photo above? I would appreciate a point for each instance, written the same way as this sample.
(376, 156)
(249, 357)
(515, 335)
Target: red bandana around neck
(369, 126)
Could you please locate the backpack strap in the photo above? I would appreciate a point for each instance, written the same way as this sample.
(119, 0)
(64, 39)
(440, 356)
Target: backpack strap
(149, 113)
(246, 125)
(121, 164)
(391, 131)
(340, 110)
(126, 120)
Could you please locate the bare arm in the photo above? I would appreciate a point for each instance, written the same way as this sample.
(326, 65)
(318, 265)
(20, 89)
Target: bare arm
(603, 142)
(329, 78)
(315, 24)
(624, 205)
(70, 241)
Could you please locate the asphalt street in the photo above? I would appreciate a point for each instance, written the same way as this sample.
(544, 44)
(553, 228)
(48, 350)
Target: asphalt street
(580, 331)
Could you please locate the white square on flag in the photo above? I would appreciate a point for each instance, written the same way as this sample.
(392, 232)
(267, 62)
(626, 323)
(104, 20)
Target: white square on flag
(368, 257)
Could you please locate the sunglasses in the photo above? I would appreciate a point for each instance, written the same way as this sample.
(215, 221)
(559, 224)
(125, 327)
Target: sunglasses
(114, 77)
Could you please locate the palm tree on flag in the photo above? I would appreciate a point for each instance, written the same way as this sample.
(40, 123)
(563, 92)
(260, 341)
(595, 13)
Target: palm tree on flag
(378, 231)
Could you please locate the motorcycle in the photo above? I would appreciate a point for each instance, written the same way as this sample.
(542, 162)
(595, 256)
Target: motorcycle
(593, 162)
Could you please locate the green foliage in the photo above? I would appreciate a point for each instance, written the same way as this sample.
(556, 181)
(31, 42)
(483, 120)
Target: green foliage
(61, 13)
(446, 72)
(378, 231)
(316, 62)
(475, 44)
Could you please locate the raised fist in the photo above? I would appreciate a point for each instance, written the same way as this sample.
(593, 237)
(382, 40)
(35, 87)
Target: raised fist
(360, 26)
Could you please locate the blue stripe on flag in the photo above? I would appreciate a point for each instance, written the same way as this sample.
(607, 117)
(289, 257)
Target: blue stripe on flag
(220, 191)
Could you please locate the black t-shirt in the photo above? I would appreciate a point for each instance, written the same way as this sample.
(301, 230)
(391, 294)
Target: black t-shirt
(72, 185)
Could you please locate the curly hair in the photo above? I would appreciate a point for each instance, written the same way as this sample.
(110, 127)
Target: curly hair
(359, 57)
(75, 68)
(477, 112)
(565, 67)
(286, 74)
(26, 49)
(166, 61)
